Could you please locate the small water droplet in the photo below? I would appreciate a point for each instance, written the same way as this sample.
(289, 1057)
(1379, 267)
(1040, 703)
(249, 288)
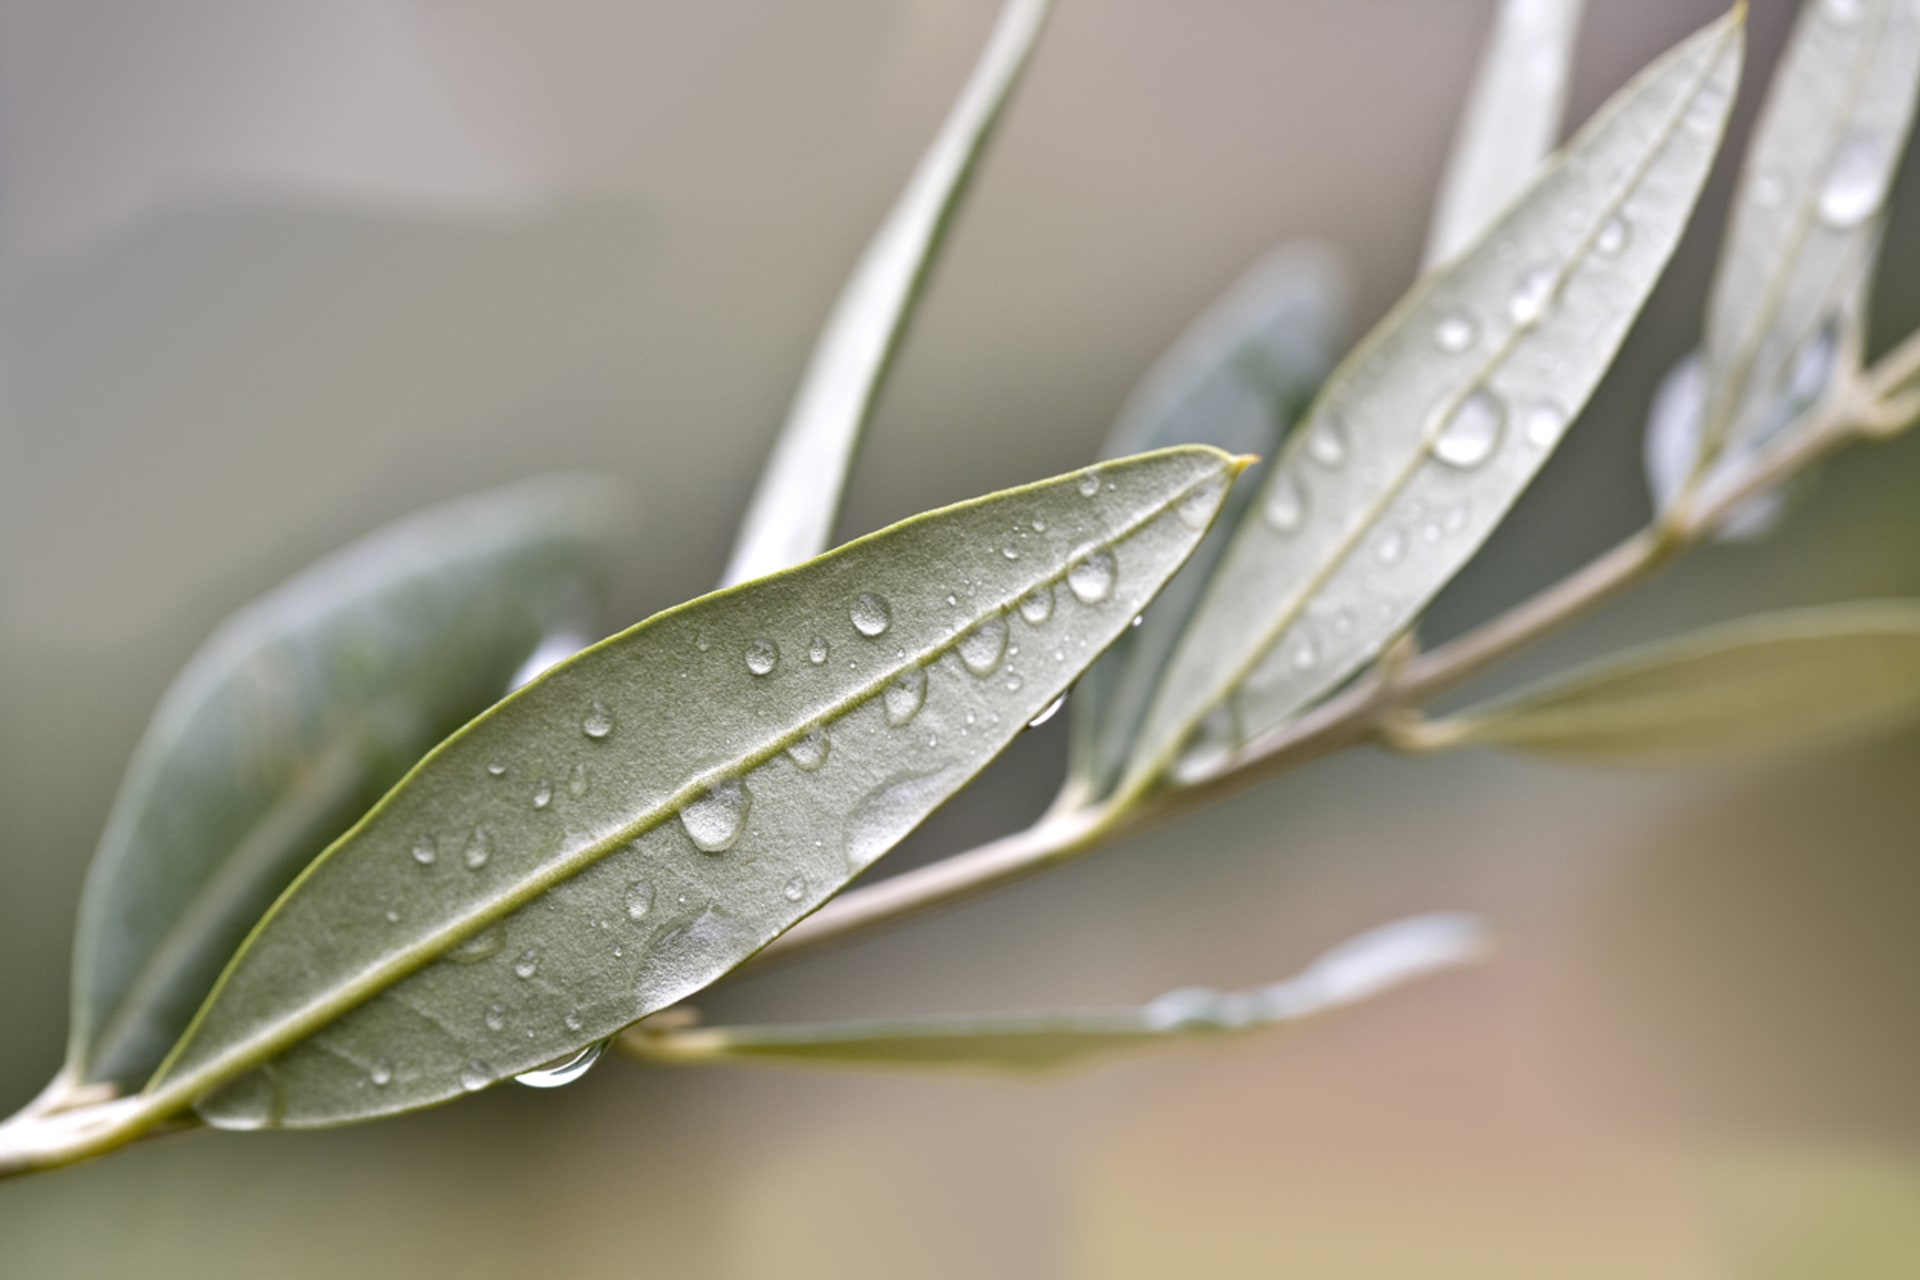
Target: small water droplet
(871, 615)
(393, 917)
(1472, 430)
(1038, 524)
(1855, 185)
(1613, 237)
(904, 696)
(1091, 579)
(639, 900)
(579, 782)
(424, 851)
(795, 889)
(1048, 712)
(1455, 332)
(817, 650)
(1306, 654)
(1089, 484)
(1391, 547)
(810, 752)
(714, 820)
(528, 964)
(476, 1075)
(1010, 551)
(763, 656)
(495, 1017)
(1286, 505)
(562, 1071)
(1196, 508)
(1543, 424)
(497, 770)
(599, 721)
(1013, 682)
(1037, 605)
(982, 648)
(1532, 293)
(574, 1021)
(702, 643)
(543, 794)
(1456, 518)
(1327, 441)
(1138, 618)
(479, 849)
(382, 1073)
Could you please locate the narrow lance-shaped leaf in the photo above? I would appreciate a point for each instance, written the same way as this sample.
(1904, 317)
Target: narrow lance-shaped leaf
(1237, 379)
(1429, 432)
(1511, 121)
(652, 811)
(291, 720)
(1796, 678)
(791, 516)
(1356, 970)
(1784, 311)
(1676, 426)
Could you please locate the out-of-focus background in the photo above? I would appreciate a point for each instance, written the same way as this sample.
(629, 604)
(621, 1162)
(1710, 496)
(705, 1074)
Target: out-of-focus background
(272, 274)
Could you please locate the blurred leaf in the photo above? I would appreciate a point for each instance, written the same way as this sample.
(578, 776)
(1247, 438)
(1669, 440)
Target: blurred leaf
(1238, 378)
(1430, 430)
(290, 721)
(791, 516)
(1783, 319)
(651, 812)
(1365, 966)
(1782, 679)
(1511, 120)
(1676, 428)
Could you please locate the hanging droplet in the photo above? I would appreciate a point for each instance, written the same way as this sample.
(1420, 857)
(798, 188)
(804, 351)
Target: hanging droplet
(639, 900)
(1532, 293)
(1286, 505)
(795, 889)
(1455, 332)
(543, 794)
(1613, 236)
(479, 849)
(982, 648)
(810, 752)
(599, 721)
(817, 650)
(424, 851)
(528, 964)
(1037, 605)
(1089, 484)
(1048, 712)
(1391, 548)
(562, 1071)
(714, 821)
(1855, 185)
(871, 614)
(763, 656)
(1091, 579)
(1197, 507)
(579, 782)
(904, 696)
(1472, 430)
(1327, 441)
(476, 1075)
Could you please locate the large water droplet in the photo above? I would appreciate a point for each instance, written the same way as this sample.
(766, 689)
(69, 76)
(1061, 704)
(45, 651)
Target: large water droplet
(1048, 712)
(1037, 605)
(871, 614)
(982, 648)
(1455, 332)
(1327, 441)
(479, 849)
(1613, 236)
(382, 1072)
(715, 819)
(424, 851)
(476, 1075)
(599, 721)
(528, 964)
(1091, 579)
(1472, 431)
(1089, 484)
(762, 657)
(810, 752)
(817, 650)
(564, 1070)
(1286, 506)
(543, 794)
(1855, 185)
(1196, 508)
(1532, 293)
(639, 900)
(904, 696)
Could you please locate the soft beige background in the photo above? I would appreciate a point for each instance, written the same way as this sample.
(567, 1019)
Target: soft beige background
(272, 273)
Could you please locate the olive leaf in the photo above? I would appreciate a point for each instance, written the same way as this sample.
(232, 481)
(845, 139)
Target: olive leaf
(1237, 379)
(1676, 429)
(1783, 318)
(652, 811)
(1511, 120)
(1358, 969)
(1776, 680)
(291, 720)
(1430, 430)
(791, 516)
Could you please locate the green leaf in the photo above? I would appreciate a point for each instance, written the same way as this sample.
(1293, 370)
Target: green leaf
(290, 721)
(1431, 429)
(1358, 969)
(1795, 678)
(1511, 120)
(1783, 319)
(1238, 379)
(651, 812)
(791, 516)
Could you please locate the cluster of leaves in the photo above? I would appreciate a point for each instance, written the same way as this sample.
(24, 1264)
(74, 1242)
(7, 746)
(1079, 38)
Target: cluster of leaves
(258, 947)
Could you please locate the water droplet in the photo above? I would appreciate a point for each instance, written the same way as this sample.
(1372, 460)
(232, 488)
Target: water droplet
(714, 820)
(1048, 712)
(1091, 579)
(1286, 506)
(982, 648)
(1543, 424)
(871, 614)
(382, 1073)
(904, 696)
(424, 851)
(1613, 237)
(1456, 518)
(817, 650)
(1855, 185)
(393, 917)
(1391, 547)
(1196, 508)
(639, 900)
(1038, 524)
(891, 810)
(810, 752)
(1138, 618)
(574, 1021)
(1327, 442)
(497, 770)
(528, 964)
(495, 1017)
(1010, 551)
(1472, 432)
(599, 721)
(1532, 293)
(795, 889)
(1306, 654)
(762, 657)
(1037, 605)
(543, 794)
(1455, 332)
(476, 1075)
(1089, 484)
(579, 782)
(479, 849)
(564, 1070)
(1013, 682)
